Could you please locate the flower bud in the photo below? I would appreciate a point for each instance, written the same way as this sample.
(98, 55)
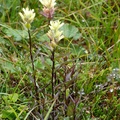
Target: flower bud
(48, 8)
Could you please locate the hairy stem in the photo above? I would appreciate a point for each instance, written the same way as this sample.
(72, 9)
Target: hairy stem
(33, 68)
(65, 92)
(53, 68)
(74, 113)
(53, 77)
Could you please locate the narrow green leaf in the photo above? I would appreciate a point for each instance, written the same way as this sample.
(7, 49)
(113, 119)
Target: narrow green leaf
(48, 113)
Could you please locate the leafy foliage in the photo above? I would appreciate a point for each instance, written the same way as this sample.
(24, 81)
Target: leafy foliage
(86, 73)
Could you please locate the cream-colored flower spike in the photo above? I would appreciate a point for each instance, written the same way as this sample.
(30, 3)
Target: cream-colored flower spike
(48, 3)
(54, 33)
(27, 17)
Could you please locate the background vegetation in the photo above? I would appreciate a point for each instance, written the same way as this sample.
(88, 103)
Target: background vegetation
(87, 65)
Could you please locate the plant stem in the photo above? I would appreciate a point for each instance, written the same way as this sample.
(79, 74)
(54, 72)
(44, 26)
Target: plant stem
(53, 68)
(52, 80)
(74, 112)
(33, 68)
(65, 70)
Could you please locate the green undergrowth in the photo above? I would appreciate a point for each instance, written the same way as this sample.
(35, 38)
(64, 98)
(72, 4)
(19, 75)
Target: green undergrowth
(87, 66)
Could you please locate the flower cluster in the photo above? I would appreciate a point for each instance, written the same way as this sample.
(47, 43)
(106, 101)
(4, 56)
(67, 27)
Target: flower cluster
(27, 17)
(54, 33)
(48, 8)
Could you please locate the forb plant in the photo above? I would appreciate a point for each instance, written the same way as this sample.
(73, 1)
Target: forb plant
(54, 34)
(28, 17)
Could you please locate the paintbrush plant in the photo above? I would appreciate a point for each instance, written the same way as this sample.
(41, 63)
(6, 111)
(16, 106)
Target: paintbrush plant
(55, 36)
(28, 17)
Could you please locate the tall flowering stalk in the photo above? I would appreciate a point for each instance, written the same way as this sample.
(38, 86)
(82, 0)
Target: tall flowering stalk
(48, 8)
(55, 36)
(28, 17)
